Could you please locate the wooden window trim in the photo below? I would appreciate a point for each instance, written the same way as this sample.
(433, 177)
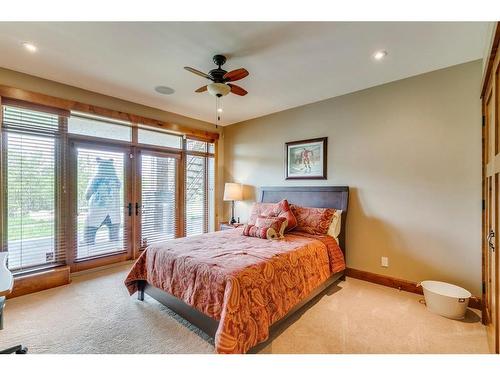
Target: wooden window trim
(11, 93)
(39, 281)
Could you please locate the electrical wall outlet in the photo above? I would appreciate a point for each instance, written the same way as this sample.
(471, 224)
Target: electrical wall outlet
(384, 262)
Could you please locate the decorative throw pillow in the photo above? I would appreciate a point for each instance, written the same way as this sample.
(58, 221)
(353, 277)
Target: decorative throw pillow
(268, 228)
(280, 209)
(264, 233)
(279, 223)
(313, 220)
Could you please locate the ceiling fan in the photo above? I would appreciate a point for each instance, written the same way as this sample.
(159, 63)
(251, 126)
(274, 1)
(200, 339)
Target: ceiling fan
(221, 78)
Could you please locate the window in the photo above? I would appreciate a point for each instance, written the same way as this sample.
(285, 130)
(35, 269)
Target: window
(153, 137)
(84, 190)
(101, 127)
(33, 234)
(200, 186)
(194, 145)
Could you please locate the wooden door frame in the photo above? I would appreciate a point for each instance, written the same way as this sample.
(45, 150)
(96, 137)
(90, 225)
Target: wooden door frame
(72, 205)
(490, 91)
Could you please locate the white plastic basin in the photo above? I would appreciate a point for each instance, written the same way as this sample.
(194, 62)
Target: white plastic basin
(445, 299)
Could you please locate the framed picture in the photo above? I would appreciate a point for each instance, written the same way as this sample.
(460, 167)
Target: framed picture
(306, 160)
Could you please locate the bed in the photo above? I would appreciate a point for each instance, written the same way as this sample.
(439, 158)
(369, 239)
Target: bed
(237, 288)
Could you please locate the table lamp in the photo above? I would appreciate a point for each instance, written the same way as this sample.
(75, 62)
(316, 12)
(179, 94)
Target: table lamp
(232, 192)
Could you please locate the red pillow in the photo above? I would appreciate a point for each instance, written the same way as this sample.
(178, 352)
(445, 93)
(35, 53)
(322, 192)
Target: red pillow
(313, 220)
(260, 209)
(280, 209)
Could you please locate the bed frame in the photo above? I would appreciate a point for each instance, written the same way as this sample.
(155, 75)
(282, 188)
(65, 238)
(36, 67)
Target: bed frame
(309, 196)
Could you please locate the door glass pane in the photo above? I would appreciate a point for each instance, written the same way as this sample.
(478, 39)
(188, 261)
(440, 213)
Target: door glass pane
(100, 200)
(158, 184)
(31, 228)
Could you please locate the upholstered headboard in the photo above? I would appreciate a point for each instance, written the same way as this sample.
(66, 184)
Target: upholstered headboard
(312, 196)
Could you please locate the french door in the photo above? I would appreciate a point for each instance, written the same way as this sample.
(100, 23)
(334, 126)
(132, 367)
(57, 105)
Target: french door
(125, 198)
(101, 203)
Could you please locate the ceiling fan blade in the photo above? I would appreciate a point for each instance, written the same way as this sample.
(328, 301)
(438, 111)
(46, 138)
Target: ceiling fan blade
(235, 75)
(201, 89)
(197, 72)
(237, 90)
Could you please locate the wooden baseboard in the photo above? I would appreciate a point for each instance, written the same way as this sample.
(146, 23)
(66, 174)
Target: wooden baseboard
(99, 262)
(392, 282)
(40, 281)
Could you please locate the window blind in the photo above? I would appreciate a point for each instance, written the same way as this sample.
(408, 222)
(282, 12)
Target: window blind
(158, 198)
(99, 127)
(200, 187)
(32, 175)
(24, 120)
(211, 193)
(150, 136)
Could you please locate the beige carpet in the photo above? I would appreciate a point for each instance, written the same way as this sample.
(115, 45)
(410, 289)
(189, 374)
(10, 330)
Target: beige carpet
(94, 314)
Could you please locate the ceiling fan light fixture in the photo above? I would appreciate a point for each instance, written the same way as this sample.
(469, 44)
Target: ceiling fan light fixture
(218, 89)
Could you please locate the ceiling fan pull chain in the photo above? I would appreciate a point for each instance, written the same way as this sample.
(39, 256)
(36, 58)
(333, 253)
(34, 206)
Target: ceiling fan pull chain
(217, 116)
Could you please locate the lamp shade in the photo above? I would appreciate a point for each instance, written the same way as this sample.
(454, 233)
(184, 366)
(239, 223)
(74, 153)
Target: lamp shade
(218, 89)
(233, 192)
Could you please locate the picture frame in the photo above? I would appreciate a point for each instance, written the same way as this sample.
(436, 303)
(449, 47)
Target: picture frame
(306, 159)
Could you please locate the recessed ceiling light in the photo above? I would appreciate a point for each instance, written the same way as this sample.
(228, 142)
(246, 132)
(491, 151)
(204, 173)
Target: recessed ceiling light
(165, 90)
(30, 47)
(379, 55)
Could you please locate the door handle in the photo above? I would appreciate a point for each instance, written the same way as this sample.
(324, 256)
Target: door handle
(130, 209)
(137, 206)
(490, 237)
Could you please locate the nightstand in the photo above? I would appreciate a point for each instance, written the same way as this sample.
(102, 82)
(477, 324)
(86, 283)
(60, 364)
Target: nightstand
(225, 225)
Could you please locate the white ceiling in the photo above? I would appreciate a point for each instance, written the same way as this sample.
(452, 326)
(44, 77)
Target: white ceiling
(290, 63)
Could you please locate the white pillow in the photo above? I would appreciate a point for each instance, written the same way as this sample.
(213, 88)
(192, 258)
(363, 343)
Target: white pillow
(334, 228)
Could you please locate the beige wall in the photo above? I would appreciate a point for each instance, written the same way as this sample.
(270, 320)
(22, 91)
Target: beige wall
(44, 86)
(411, 153)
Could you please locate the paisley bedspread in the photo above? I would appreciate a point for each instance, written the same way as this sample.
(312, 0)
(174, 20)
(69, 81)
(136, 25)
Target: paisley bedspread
(245, 283)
